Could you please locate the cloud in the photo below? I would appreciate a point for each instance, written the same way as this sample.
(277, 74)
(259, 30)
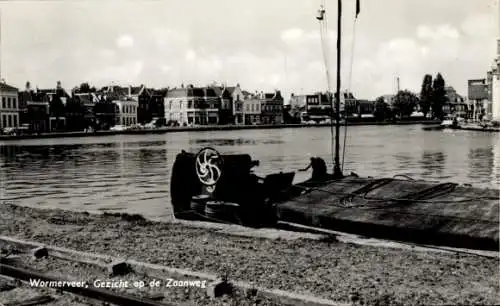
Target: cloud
(125, 41)
(125, 72)
(444, 31)
(166, 43)
(190, 55)
(291, 35)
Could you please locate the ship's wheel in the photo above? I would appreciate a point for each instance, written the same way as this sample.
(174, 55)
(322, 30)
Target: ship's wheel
(208, 164)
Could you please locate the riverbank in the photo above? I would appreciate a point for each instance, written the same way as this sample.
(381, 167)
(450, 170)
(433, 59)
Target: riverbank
(328, 268)
(208, 128)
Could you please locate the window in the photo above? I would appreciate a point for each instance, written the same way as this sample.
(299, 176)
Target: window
(4, 103)
(14, 102)
(9, 117)
(4, 120)
(8, 103)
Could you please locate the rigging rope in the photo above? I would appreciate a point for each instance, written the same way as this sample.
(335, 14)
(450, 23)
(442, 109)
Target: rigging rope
(349, 89)
(323, 30)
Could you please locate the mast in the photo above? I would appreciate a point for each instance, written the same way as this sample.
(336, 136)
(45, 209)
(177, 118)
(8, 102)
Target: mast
(337, 172)
(0, 44)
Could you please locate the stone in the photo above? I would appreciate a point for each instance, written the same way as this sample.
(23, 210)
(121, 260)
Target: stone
(40, 252)
(118, 268)
(251, 292)
(219, 288)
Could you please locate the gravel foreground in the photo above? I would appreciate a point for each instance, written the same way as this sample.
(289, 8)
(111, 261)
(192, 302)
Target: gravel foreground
(346, 273)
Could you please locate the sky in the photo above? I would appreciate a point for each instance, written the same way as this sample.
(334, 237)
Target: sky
(260, 44)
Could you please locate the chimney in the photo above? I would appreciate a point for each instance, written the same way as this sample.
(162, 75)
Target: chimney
(28, 86)
(238, 85)
(58, 85)
(130, 90)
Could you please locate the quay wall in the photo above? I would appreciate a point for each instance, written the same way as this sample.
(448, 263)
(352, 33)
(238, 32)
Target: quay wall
(206, 128)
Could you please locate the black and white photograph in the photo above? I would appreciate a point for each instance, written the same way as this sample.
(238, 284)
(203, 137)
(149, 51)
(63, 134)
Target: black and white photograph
(232, 152)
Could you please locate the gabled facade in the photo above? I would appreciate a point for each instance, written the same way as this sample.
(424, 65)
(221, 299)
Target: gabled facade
(478, 97)
(126, 112)
(271, 108)
(237, 95)
(251, 109)
(318, 106)
(34, 110)
(455, 103)
(9, 106)
(150, 105)
(192, 106)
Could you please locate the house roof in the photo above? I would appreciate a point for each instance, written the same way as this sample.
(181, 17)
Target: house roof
(6, 87)
(231, 89)
(192, 92)
(177, 93)
(135, 90)
(218, 90)
(210, 92)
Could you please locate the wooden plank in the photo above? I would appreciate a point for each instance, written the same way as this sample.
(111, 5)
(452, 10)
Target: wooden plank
(451, 218)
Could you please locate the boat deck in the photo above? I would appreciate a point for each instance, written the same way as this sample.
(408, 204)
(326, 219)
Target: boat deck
(399, 209)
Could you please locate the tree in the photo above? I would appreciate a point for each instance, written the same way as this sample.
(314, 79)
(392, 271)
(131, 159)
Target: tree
(438, 96)
(426, 95)
(381, 110)
(84, 88)
(405, 102)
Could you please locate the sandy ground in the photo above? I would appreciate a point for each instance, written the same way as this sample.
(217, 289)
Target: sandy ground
(97, 276)
(329, 269)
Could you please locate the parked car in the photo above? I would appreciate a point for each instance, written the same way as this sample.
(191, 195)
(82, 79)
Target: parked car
(9, 131)
(118, 128)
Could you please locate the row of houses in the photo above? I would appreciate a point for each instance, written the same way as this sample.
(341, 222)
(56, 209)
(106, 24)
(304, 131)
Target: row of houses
(222, 105)
(318, 106)
(43, 110)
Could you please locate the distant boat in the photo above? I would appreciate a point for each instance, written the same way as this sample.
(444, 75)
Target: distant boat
(449, 122)
(452, 122)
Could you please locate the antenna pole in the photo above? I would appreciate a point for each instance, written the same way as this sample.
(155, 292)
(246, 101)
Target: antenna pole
(337, 172)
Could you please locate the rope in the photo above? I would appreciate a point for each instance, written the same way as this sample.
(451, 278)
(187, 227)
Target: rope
(351, 195)
(323, 30)
(349, 89)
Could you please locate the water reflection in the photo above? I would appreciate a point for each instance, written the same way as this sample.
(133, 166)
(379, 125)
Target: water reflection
(433, 163)
(481, 163)
(403, 160)
(218, 142)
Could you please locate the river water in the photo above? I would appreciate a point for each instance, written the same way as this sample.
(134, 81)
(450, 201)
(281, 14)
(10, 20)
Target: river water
(131, 173)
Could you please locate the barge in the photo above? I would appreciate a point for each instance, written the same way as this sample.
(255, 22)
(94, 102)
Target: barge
(213, 187)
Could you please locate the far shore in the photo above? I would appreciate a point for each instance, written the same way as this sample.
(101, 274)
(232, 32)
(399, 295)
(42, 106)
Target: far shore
(206, 128)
